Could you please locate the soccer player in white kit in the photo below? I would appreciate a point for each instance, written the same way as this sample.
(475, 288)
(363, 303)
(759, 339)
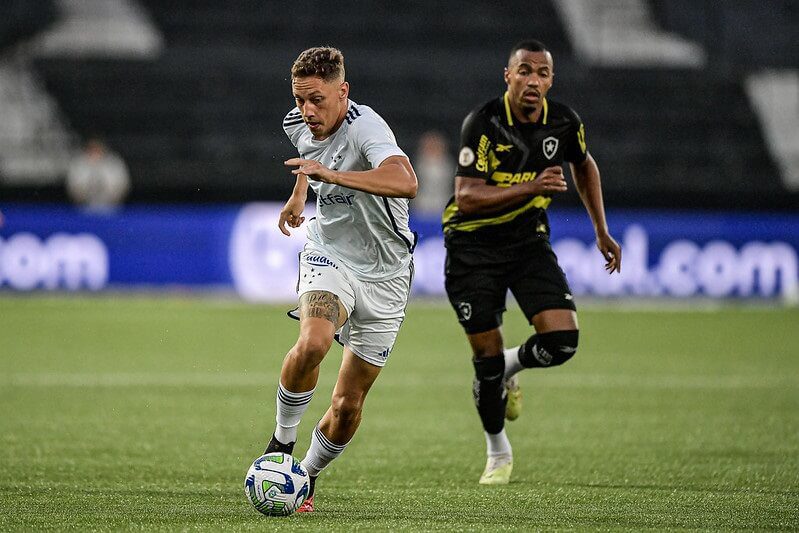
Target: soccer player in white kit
(356, 268)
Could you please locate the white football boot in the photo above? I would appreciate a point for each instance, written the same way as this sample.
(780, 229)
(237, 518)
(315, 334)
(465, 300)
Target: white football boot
(513, 407)
(498, 470)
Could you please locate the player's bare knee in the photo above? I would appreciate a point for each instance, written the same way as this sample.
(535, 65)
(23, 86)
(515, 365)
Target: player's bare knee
(311, 349)
(486, 352)
(488, 345)
(347, 407)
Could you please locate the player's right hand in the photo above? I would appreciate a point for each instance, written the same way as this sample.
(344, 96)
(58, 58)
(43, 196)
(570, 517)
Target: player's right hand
(549, 181)
(291, 214)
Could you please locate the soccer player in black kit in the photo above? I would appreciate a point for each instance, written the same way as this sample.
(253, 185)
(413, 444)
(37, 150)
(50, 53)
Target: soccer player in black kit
(497, 237)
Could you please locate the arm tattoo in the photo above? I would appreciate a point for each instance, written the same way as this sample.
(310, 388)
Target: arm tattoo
(320, 304)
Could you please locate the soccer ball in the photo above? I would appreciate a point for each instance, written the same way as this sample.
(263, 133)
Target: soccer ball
(276, 484)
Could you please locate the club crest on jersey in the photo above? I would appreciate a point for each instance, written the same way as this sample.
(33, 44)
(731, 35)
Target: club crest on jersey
(550, 146)
(464, 311)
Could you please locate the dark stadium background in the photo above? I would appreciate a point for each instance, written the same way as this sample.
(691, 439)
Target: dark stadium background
(140, 347)
(200, 120)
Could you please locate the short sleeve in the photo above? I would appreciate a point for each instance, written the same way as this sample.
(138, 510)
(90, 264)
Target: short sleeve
(374, 139)
(293, 125)
(576, 148)
(475, 146)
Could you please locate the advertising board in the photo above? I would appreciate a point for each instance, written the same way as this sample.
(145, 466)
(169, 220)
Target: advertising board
(669, 254)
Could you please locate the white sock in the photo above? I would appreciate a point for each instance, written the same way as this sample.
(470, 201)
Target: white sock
(512, 364)
(320, 453)
(290, 408)
(498, 444)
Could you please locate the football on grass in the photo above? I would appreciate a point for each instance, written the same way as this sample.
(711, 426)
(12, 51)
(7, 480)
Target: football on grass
(276, 484)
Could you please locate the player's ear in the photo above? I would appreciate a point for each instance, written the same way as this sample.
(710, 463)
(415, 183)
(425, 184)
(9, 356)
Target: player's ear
(506, 75)
(344, 90)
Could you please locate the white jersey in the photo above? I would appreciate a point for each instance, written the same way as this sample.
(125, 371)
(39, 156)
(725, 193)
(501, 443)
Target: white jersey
(368, 233)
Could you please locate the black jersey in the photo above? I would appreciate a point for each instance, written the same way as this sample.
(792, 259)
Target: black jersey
(496, 147)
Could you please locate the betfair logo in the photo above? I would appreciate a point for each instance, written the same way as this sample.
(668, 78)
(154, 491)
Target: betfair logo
(332, 199)
(504, 148)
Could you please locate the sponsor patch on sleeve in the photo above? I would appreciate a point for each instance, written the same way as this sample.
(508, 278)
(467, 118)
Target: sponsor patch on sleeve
(466, 157)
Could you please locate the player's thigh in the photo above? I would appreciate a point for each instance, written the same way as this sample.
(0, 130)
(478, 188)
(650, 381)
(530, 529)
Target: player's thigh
(539, 285)
(373, 326)
(477, 293)
(324, 288)
(555, 320)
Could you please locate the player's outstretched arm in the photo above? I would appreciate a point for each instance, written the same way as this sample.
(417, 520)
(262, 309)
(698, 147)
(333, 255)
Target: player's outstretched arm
(393, 178)
(291, 213)
(476, 197)
(589, 185)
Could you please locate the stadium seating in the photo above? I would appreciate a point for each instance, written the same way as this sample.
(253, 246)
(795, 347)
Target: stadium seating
(23, 18)
(737, 34)
(672, 137)
(201, 122)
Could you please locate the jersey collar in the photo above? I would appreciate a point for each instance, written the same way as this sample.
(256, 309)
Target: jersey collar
(542, 118)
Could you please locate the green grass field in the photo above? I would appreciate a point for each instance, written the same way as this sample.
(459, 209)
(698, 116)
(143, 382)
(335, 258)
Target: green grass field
(139, 413)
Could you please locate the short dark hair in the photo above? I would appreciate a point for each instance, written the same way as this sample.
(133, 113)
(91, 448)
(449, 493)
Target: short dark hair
(531, 45)
(324, 62)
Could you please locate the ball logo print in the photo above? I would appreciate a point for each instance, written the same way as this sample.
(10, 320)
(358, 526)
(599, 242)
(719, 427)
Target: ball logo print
(276, 484)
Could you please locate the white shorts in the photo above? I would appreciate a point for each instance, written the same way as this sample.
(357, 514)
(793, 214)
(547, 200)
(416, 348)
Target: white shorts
(375, 310)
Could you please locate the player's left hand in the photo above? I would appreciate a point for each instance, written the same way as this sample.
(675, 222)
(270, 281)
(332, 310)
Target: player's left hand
(611, 251)
(313, 169)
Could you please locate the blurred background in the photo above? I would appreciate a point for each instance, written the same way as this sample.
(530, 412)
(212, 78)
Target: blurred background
(141, 144)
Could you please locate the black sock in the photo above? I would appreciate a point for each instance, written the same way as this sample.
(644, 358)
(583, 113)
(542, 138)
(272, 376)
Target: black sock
(526, 353)
(489, 392)
(552, 348)
(313, 485)
(277, 446)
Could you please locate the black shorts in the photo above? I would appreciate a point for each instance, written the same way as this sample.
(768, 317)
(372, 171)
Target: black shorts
(478, 289)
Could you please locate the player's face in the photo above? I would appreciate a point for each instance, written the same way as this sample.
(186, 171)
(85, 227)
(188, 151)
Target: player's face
(323, 104)
(529, 78)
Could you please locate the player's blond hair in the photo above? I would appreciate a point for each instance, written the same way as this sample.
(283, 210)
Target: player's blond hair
(323, 62)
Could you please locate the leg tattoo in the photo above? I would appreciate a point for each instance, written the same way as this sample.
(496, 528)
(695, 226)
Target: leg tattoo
(320, 304)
